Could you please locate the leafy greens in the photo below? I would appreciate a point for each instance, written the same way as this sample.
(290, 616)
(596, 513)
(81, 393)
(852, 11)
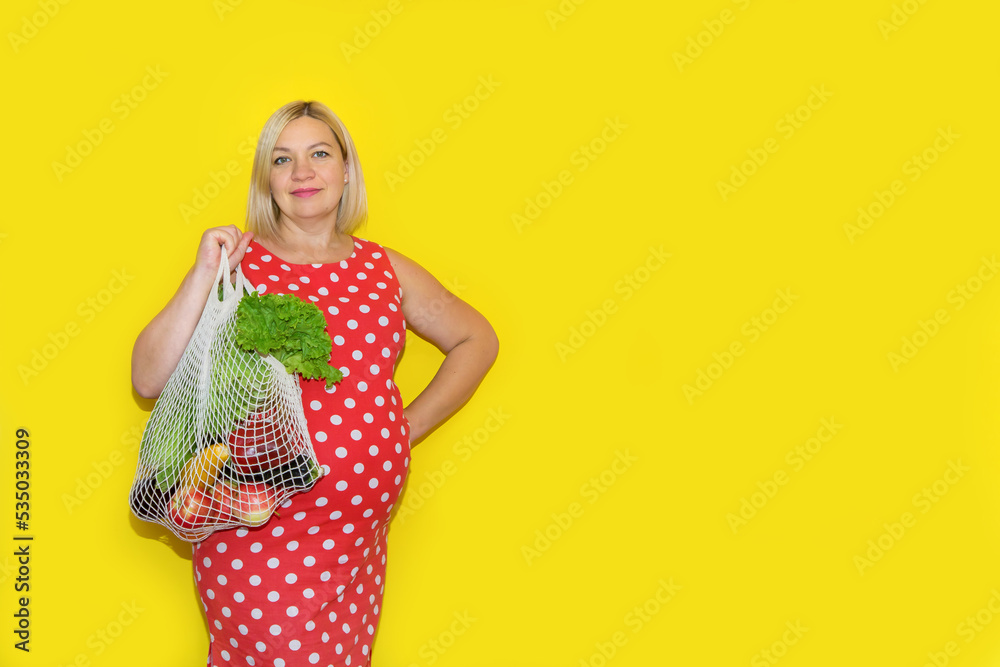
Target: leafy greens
(290, 330)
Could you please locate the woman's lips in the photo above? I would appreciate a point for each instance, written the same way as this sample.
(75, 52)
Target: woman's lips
(305, 193)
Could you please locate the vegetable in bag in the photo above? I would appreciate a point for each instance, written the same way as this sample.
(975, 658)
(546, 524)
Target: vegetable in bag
(227, 440)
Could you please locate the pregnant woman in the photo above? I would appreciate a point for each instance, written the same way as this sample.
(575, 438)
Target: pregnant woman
(306, 588)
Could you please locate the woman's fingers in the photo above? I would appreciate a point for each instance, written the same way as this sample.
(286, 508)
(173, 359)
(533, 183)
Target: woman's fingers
(239, 248)
(214, 239)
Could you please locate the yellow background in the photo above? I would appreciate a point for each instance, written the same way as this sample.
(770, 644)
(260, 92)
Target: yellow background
(591, 371)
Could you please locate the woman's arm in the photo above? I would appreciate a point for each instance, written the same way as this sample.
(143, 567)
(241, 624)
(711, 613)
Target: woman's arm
(457, 329)
(160, 345)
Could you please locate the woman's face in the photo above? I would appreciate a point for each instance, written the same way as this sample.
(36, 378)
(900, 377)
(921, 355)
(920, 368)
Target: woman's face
(307, 172)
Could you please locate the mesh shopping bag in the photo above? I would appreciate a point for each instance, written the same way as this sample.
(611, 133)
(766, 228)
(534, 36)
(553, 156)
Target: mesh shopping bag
(227, 441)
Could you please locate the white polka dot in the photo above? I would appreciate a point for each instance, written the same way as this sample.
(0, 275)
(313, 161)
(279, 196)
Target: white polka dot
(364, 308)
(256, 547)
(313, 530)
(384, 321)
(273, 278)
(388, 466)
(362, 386)
(261, 288)
(222, 579)
(336, 420)
(292, 611)
(304, 279)
(257, 614)
(355, 434)
(315, 405)
(210, 594)
(278, 530)
(298, 516)
(285, 267)
(352, 289)
(328, 544)
(314, 658)
(278, 662)
(226, 612)
(372, 483)
(237, 564)
(349, 403)
(349, 528)
(334, 277)
(273, 563)
(291, 578)
(356, 500)
(254, 580)
(379, 401)
(323, 291)
(356, 355)
(341, 485)
(359, 467)
(385, 496)
(336, 514)
(239, 597)
(352, 324)
(251, 661)
(320, 436)
(224, 654)
(207, 562)
(340, 452)
(261, 646)
(275, 630)
(368, 418)
(311, 625)
(221, 547)
(309, 561)
(385, 432)
(321, 502)
(308, 593)
(293, 287)
(254, 267)
(273, 596)
(326, 575)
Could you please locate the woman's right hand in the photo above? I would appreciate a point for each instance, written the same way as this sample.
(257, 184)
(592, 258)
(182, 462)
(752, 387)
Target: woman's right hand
(160, 345)
(210, 248)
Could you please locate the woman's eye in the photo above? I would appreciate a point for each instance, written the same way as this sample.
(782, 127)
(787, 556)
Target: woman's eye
(323, 153)
(279, 159)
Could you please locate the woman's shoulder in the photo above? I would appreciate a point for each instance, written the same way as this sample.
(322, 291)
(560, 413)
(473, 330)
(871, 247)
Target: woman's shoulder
(398, 261)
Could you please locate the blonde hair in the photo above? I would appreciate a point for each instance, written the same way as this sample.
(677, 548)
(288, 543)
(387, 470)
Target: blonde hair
(263, 211)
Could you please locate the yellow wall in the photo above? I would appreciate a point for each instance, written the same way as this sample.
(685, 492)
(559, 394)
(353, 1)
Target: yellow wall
(728, 417)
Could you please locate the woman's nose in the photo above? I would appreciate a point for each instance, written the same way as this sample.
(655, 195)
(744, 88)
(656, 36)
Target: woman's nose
(302, 170)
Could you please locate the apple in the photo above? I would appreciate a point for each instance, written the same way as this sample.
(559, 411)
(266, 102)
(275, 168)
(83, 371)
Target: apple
(222, 501)
(260, 443)
(191, 511)
(253, 503)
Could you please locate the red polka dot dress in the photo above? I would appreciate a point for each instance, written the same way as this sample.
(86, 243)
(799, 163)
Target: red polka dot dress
(306, 588)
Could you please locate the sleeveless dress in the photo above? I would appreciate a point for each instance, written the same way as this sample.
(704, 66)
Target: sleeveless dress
(306, 588)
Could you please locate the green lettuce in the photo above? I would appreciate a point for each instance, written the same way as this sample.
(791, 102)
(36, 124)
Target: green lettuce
(289, 329)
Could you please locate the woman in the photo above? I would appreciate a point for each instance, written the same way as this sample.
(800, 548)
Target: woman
(306, 588)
